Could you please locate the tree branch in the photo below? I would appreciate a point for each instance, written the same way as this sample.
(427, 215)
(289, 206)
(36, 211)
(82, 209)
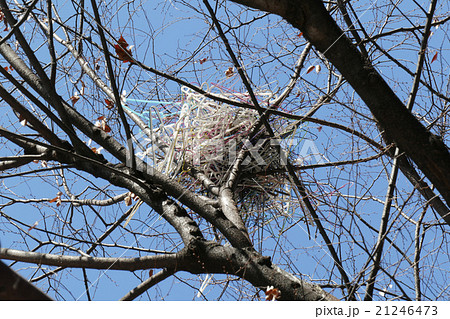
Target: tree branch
(429, 152)
(131, 264)
(147, 284)
(14, 287)
(378, 251)
(49, 90)
(112, 79)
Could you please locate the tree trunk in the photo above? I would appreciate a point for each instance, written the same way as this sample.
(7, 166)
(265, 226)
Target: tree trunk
(427, 150)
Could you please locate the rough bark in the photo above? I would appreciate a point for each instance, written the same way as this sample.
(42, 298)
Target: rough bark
(199, 256)
(427, 150)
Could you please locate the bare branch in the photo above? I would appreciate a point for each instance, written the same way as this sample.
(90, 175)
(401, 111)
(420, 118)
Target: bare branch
(130, 155)
(131, 264)
(147, 284)
(14, 287)
(382, 230)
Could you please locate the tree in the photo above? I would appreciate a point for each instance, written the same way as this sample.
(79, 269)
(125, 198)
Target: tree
(189, 152)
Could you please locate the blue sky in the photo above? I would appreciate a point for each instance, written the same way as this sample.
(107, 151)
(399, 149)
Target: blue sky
(174, 38)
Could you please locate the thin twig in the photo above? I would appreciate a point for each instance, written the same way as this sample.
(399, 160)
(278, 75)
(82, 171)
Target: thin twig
(417, 249)
(292, 175)
(394, 172)
(112, 79)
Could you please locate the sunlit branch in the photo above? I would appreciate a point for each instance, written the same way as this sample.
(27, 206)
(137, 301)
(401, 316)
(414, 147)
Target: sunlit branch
(49, 90)
(18, 161)
(123, 177)
(20, 22)
(131, 264)
(294, 78)
(26, 115)
(294, 178)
